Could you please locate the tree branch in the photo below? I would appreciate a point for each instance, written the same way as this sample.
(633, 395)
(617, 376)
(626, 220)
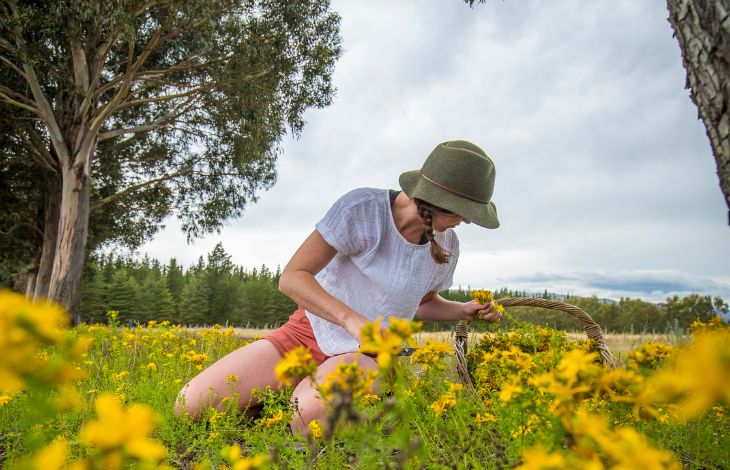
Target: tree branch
(157, 123)
(135, 187)
(14, 67)
(14, 98)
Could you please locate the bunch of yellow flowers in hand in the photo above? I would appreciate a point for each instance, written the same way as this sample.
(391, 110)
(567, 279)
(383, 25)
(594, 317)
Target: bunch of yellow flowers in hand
(484, 297)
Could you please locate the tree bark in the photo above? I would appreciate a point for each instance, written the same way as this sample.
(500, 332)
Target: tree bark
(73, 224)
(51, 213)
(702, 28)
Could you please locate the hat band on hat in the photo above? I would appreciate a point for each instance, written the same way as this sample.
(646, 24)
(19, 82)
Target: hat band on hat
(453, 191)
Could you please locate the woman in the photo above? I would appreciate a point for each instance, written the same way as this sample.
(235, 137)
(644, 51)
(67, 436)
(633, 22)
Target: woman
(376, 253)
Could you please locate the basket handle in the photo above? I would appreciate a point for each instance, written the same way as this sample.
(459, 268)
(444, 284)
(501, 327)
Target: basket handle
(592, 329)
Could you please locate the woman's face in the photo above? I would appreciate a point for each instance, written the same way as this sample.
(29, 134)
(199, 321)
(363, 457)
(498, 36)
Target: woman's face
(440, 221)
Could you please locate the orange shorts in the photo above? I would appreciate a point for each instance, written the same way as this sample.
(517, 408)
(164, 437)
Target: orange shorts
(297, 332)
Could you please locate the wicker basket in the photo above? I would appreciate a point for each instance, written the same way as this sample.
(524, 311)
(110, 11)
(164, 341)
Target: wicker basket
(593, 331)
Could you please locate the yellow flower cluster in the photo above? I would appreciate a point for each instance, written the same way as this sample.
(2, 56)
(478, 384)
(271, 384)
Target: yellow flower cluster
(448, 400)
(347, 378)
(198, 359)
(570, 381)
(120, 431)
(649, 355)
(483, 297)
(296, 364)
(597, 446)
(714, 323)
(26, 330)
(500, 366)
(272, 420)
(315, 429)
(370, 399)
(235, 458)
(387, 342)
(698, 377)
(431, 354)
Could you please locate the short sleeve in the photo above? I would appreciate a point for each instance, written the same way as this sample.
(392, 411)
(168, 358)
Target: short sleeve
(347, 223)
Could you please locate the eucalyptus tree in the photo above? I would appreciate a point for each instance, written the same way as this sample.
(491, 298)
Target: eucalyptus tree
(142, 108)
(703, 32)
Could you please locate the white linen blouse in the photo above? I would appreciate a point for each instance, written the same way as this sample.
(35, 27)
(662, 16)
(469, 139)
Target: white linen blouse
(376, 271)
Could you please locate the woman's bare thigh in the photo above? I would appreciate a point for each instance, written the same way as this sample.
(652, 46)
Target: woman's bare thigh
(253, 365)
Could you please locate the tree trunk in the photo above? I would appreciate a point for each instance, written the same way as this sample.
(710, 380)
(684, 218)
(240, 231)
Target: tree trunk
(73, 223)
(51, 213)
(702, 29)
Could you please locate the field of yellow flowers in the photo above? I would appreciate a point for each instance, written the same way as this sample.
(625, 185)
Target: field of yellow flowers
(101, 397)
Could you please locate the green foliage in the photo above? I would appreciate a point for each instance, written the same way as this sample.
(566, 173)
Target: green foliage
(625, 316)
(217, 291)
(209, 292)
(179, 107)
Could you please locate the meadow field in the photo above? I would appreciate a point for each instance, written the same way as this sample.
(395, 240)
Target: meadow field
(101, 396)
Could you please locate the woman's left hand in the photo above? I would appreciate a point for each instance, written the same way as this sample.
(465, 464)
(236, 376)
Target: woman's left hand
(486, 312)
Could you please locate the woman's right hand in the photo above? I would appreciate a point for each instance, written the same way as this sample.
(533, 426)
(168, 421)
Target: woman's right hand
(354, 325)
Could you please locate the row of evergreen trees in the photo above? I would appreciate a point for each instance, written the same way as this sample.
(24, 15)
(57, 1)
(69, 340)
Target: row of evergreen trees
(625, 316)
(209, 292)
(216, 291)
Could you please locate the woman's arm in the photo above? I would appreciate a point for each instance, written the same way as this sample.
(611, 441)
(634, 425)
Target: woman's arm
(435, 308)
(297, 282)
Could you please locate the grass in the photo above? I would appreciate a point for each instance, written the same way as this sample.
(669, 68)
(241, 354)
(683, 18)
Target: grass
(402, 429)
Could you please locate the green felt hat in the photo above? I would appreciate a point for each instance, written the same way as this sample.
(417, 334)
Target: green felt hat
(457, 176)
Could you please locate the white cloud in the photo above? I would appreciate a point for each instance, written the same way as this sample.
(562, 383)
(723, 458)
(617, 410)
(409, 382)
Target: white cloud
(602, 165)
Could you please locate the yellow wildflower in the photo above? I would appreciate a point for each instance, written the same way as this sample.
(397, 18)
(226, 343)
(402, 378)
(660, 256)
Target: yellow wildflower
(151, 366)
(52, 456)
(232, 378)
(509, 391)
(272, 420)
(649, 355)
(296, 364)
(5, 399)
(698, 377)
(386, 343)
(347, 378)
(26, 328)
(119, 376)
(714, 323)
(315, 429)
(447, 401)
(370, 399)
(124, 429)
(481, 296)
(69, 399)
(538, 458)
(486, 418)
(444, 403)
(234, 456)
(430, 355)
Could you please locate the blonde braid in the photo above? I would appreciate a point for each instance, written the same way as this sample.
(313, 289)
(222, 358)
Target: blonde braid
(438, 254)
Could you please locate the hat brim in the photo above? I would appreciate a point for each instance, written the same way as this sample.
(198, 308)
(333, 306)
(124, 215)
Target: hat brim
(484, 215)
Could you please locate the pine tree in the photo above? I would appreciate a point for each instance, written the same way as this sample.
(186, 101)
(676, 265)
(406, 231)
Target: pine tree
(194, 307)
(122, 295)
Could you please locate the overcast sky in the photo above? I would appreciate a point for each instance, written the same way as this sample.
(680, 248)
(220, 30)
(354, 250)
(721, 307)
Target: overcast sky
(606, 184)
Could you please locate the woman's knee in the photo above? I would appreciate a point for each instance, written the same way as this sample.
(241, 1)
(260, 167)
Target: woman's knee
(308, 407)
(186, 404)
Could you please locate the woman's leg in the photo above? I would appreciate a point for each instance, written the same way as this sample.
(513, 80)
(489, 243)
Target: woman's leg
(310, 405)
(253, 365)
